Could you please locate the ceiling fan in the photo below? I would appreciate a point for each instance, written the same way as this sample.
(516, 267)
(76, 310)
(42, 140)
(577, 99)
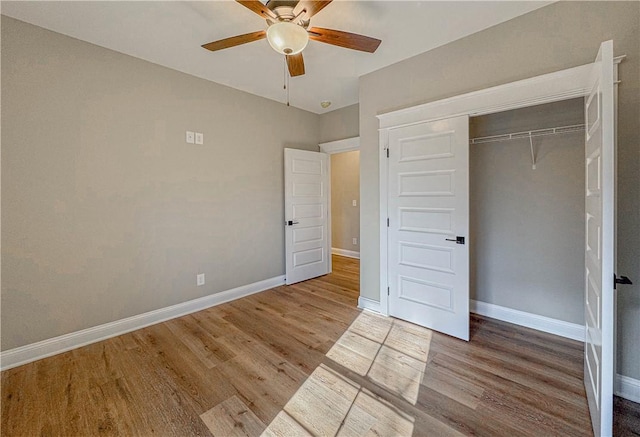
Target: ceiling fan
(288, 31)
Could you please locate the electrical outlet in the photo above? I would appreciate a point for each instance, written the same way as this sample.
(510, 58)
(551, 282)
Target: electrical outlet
(190, 137)
(354, 202)
(199, 138)
(200, 279)
(355, 241)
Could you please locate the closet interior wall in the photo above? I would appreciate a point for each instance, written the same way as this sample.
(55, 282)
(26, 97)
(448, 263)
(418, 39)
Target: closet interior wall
(526, 225)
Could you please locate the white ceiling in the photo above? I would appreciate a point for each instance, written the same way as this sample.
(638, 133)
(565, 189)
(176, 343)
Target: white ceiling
(170, 34)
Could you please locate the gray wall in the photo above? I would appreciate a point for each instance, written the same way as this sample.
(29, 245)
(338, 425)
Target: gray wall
(106, 212)
(345, 188)
(527, 226)
(340, 124)
(555, 37)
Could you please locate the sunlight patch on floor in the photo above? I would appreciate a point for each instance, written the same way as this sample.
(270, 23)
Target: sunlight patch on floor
(389, 353)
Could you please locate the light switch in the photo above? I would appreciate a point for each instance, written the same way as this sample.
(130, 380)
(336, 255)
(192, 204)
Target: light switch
(190, 137)
(354, 202)
(199, 138)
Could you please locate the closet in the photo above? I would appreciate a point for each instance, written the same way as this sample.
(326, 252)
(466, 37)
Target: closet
(491, 203)
(526, 210)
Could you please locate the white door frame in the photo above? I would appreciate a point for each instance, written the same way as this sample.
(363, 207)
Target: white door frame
(547, 88)
(331, 148)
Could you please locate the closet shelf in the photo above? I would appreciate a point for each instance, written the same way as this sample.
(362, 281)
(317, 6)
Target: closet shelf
(528, 134)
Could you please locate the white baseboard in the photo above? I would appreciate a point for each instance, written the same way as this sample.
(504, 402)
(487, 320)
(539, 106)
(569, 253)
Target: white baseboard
(46, 348)
(528, 320)
(368, 304)
(344, 252)
(628, 388)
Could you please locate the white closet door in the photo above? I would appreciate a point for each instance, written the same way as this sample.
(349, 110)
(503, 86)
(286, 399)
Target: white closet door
(428, 210)
(306, 200)
(599, 247)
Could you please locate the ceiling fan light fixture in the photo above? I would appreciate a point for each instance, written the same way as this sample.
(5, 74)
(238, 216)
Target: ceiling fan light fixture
(287, 38)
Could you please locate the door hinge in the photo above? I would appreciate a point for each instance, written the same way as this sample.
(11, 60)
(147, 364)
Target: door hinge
(387, 152)
(621, 280)
(387, 291)
(387, 221)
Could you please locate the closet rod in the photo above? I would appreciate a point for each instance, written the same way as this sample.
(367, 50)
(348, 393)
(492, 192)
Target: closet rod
(528, 134)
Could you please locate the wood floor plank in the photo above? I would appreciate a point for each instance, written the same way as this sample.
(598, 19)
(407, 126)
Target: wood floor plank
(512, 368)
(270, 333)
(627, 422)
(202, 344)
(466, 392)
(529, 421)
(285, 426)
(180, 370)
(303, 360)
(21, 409)
(158, 400)
(232, 418)
(397, 372)
(322, 402)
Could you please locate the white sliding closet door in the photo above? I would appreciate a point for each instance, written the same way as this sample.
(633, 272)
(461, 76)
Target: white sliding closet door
(428, 210)
(599, 246)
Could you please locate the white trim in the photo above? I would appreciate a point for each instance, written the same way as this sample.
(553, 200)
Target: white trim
(552, 87)
(628, 388)
(329, 216)
(346, 145)
(573, 331)
(384, 217)
(368, 304)
(53, 346)
(345, 252)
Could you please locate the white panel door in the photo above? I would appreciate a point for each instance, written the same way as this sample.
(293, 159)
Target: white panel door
(306, 199)
(428, 209)
(599, 245)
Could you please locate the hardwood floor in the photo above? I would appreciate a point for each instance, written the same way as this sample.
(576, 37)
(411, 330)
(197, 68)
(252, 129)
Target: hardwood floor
(299, 360)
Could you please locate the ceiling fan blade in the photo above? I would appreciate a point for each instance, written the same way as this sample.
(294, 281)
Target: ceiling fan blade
(235, 40)
(344, 39)
(257, 7)
(310, 6)
(295, 64)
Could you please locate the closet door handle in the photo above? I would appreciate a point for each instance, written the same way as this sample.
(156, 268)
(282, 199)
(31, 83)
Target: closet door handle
(620, 280)
(458, 240)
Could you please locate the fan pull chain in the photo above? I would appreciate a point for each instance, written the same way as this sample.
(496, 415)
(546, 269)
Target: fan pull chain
(286, 79)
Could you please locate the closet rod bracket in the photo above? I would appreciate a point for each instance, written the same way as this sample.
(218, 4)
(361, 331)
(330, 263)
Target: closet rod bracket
(533, 154)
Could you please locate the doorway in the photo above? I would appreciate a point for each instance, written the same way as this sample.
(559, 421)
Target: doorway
(344, 204)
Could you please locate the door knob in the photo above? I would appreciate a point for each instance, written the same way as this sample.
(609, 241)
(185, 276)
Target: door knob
(291, 223)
